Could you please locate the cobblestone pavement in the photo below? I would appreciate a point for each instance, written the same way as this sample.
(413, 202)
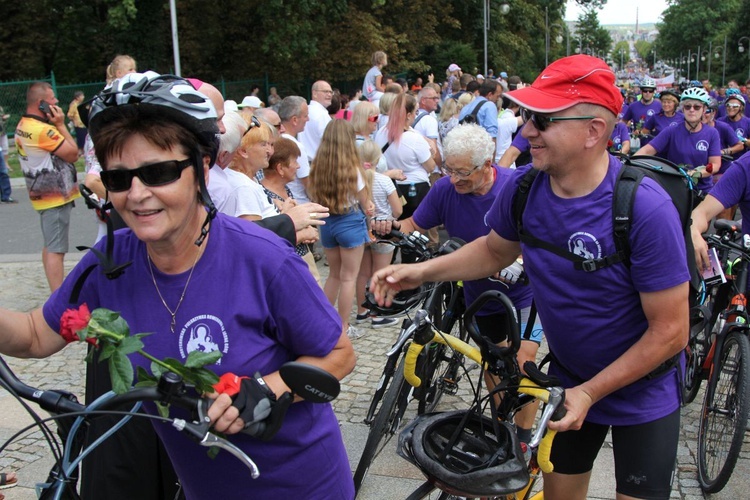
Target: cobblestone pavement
(23, 287)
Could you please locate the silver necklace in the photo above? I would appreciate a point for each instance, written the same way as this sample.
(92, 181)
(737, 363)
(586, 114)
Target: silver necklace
(179, 302)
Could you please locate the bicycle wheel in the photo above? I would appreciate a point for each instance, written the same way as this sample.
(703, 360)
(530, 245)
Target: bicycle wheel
(386, 423)
(724, 415)
(441, 368)
(695, 355)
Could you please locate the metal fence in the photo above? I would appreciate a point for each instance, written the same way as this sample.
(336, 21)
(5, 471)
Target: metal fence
(13, 94)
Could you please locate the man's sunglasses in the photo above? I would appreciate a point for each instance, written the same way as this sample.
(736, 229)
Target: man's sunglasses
(541, 122)
(647, 90)
(254, 122)
(153, 175)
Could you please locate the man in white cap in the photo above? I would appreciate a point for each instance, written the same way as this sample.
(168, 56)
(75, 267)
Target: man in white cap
(612, 330)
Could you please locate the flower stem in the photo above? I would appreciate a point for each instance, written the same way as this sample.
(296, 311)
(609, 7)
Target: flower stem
(158, 362)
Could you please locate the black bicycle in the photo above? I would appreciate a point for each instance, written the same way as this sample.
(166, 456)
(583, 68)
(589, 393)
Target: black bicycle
(438, 366)
(720, 353)
(311, 383)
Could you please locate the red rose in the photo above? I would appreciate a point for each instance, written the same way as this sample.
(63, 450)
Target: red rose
(74, 320)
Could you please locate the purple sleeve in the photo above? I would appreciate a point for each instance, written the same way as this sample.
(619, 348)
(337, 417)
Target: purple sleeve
(500, 216)
(520, 142)
(624, 134)
(734, 185)
(714, 145)
(428, 213)
(650, 122)
(628, 114)
(661, 142)
(728, 137)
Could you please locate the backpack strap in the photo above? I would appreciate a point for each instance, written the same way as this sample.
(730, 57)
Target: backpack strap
(626, 187)
(475, 111)
(418, 118)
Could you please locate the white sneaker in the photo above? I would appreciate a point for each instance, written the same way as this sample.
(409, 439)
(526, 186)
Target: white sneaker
(353, 333)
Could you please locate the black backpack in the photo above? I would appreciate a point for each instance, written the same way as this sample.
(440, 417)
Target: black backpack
(673, 179)
(473, 116)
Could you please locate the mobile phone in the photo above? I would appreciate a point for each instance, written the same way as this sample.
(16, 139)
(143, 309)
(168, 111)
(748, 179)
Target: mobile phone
(44, 108)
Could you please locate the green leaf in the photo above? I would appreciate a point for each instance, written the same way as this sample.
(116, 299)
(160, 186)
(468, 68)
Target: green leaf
(175, 365)
(130, 344)
(198, 359)
(157, 370)
(162, 409)
(141, 335)
(145, 379)
(107, 351)
(204, 379)
(121, 372)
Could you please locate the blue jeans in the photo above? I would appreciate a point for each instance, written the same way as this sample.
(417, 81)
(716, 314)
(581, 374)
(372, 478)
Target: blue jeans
(4, 179)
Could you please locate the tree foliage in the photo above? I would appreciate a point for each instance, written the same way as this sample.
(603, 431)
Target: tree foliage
(592, 37)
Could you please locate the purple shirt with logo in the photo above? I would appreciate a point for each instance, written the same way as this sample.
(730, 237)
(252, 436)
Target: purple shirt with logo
(592, 318)
(252, 298)
(741, 129)
(734, 188)
(463, 216)
(660, 121)
(692, 149)
(728, 139)
(620, 134)
(639, 112)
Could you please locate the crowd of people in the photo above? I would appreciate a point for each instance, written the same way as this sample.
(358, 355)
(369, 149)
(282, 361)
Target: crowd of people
(199, 188)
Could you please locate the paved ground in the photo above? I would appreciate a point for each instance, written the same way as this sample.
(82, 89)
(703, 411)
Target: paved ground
(23, 287)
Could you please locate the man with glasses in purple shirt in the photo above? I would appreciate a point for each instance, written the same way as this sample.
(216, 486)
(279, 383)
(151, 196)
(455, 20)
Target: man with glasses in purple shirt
(640, 111)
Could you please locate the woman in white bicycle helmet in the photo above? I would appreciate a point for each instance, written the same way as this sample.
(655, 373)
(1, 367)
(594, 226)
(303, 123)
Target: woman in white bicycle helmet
(693, 145)
(203, 282)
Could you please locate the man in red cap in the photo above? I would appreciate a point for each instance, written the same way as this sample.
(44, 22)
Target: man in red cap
(611, 327)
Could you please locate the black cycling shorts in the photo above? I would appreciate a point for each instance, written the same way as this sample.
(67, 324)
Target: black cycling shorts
(645, 454)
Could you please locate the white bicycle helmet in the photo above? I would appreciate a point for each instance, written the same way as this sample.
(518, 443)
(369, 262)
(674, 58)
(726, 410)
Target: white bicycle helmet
(465, 454)
(737, 97)
(648, 83)
(696, 94)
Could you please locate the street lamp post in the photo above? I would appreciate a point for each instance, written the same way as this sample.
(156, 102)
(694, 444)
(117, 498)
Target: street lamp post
(741, 48)
(706, 55)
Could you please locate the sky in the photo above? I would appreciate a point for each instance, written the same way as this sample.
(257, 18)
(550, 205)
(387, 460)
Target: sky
(622, 11)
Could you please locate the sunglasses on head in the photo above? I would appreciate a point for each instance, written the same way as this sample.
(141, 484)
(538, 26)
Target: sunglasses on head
(541, 122)
(254, 122)
(155, 174)
(695, 107)
(373, 119)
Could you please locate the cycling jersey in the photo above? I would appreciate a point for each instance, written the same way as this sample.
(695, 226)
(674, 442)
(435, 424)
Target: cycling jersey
(680, 146)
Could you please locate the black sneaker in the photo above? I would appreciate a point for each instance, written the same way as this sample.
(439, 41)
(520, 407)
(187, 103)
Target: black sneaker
(361, 318)
(383, 322)
(9, 201)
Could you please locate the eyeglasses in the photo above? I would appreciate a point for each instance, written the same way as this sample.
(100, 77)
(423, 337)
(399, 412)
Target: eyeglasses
(324, 91)
(153, 175)
(254, 122)
(436, 98)
(651, 91)
(541, 122)
(461, 174)
(373, 118)
(733, 106)
(695, 107)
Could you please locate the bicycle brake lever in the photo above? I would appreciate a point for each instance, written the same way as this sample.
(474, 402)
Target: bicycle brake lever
(205, 438)
(551, 411)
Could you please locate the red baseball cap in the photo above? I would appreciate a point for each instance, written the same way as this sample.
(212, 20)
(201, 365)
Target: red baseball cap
(569, 81)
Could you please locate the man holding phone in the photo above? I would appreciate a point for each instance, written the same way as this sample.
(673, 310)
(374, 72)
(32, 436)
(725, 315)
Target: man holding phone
(46, 151)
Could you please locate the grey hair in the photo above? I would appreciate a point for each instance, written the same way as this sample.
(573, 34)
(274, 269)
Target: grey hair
(290, 107)
(231, 139)
(469, 139)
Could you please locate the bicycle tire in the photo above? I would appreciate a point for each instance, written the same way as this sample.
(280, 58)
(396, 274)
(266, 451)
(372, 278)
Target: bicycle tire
(695, 355)
(385, 424)
(724, 414)
(442, 365)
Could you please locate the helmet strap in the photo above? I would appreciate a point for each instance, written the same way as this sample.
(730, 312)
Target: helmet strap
(205, 198)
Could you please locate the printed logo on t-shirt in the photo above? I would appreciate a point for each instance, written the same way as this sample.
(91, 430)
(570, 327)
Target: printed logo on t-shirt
(204, 333)
(740, 133)
(673, 124)
(650, 112)
(585, 245)
(701, 145)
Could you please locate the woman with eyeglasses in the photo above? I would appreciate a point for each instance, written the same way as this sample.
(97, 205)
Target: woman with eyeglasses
(193, 271)
(408, 151)
(735, 118)
(693, 145)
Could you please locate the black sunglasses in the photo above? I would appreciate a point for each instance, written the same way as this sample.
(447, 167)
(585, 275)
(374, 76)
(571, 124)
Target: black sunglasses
(254, 122)
(541, 122)
(155, 174)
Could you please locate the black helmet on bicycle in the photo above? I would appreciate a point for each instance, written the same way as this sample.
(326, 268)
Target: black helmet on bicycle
(464, 454)
(404, 302)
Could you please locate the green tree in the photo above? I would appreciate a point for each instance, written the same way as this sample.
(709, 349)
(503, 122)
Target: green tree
(592, 38)
(621, 53)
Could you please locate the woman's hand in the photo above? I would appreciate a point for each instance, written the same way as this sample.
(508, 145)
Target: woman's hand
(395, 174)
(309, 214)
(224, 417)
(287, 205)
(307, 236)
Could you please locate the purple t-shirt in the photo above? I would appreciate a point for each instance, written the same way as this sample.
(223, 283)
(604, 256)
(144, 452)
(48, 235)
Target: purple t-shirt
(693, 149)
(252, 298)
(728, 139)
(623, 110)
(591, 319)
(639, 112)
(520, 142)
(734, 188)
(741, 129)
(463, 216)
(660, 121)
(619, 135)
